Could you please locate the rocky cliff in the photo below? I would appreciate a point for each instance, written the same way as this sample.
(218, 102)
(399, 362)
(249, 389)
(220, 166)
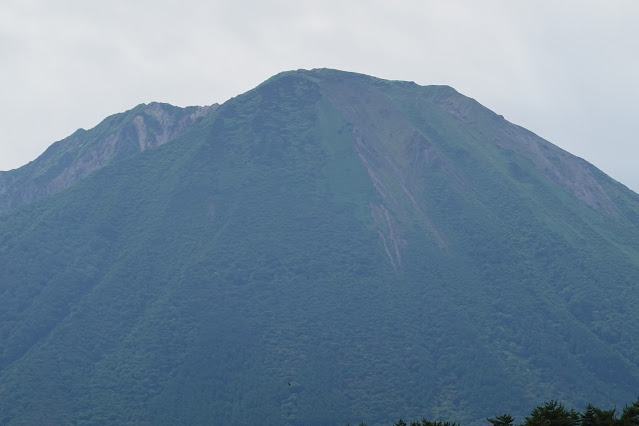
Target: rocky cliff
(73, 158)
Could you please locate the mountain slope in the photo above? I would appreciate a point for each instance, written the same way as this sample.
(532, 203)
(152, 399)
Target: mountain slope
(326, 248)
(73, 158)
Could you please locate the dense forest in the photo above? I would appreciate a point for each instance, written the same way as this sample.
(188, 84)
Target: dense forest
(388, 250)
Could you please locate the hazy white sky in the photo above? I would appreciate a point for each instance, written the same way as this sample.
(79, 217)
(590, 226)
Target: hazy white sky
(567, 70)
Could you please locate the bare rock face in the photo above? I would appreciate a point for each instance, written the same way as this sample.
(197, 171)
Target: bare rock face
(568, 171)
(75, 157)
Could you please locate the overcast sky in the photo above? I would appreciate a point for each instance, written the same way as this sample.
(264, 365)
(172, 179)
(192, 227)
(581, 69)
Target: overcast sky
(567, 70)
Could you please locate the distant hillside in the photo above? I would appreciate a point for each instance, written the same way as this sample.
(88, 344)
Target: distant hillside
(326, 248)
(73, 158)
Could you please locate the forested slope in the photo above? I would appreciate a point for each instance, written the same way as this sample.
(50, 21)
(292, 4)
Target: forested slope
(327, 247)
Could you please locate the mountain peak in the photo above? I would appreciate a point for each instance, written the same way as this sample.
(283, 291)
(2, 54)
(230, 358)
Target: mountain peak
(75, 157)
(386, 248)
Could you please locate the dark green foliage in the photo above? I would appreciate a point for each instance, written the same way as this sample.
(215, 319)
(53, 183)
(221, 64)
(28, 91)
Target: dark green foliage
(425, 422)
(386, 249)
(502, 420)
(630, 414)
(553, 413)
(594, 416)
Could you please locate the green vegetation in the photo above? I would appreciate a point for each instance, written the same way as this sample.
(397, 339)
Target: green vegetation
(553, 413)
(327, 247)
(73, 158)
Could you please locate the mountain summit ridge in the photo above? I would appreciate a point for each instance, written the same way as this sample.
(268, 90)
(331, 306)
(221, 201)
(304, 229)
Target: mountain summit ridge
(387, 249)
(578, 180)
(75, 157)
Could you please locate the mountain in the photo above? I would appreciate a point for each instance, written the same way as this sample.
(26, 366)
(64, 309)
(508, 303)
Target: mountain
(326, 248)
(72, 159)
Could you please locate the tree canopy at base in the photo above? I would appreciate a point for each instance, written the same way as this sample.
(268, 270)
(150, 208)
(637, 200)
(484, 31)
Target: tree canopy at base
(553, 413)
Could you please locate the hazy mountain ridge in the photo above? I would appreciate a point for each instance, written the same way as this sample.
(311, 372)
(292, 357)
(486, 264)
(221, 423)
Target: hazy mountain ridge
(573, 174)
(348, 235)
(73, 158)
(569, 171)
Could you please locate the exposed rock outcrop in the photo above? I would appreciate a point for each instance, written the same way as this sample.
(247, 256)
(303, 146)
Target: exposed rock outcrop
(75, 157)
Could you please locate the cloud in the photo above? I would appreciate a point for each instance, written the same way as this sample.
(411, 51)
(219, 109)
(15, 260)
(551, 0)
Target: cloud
(566, 70)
